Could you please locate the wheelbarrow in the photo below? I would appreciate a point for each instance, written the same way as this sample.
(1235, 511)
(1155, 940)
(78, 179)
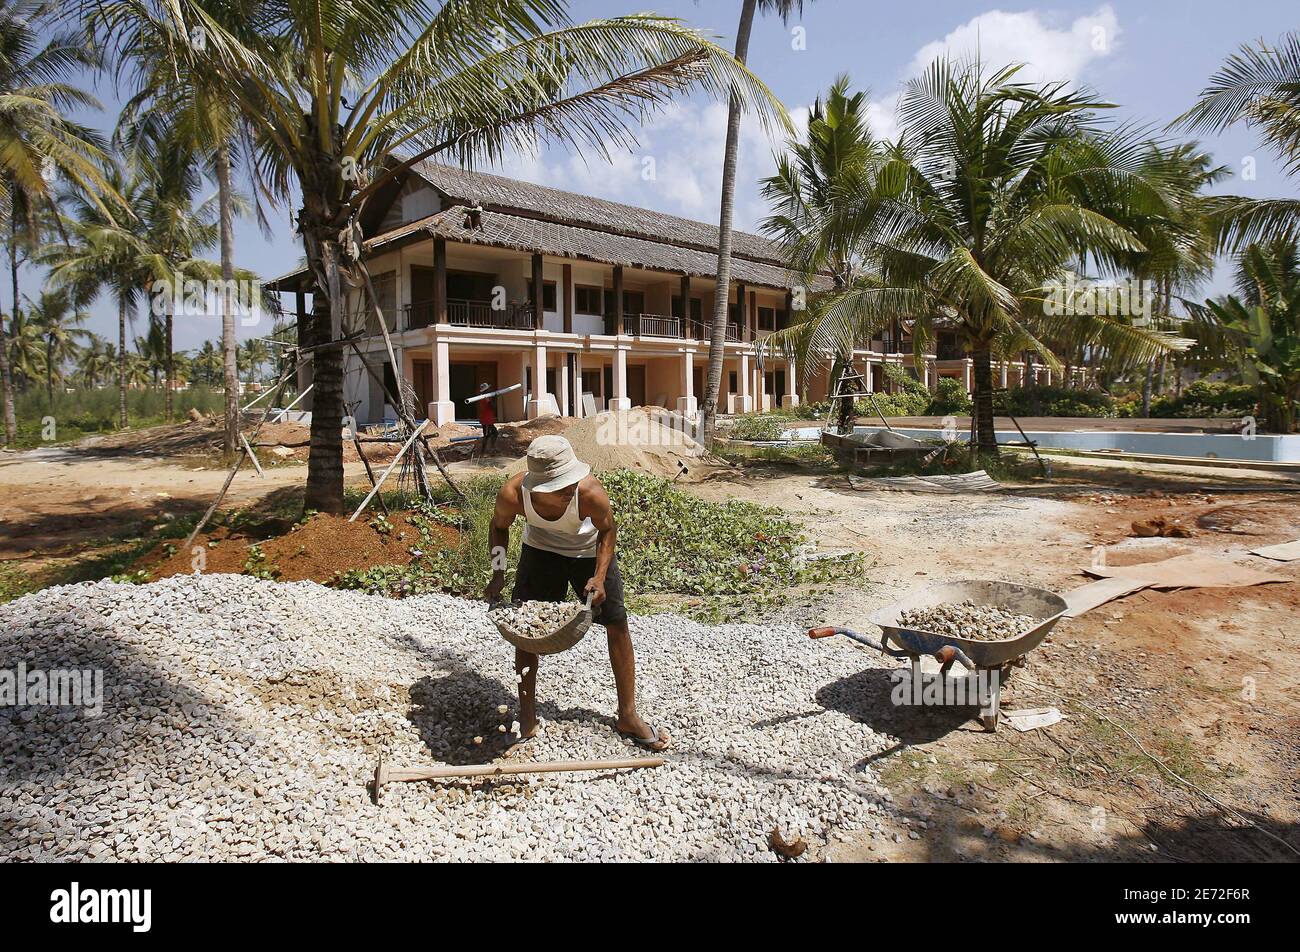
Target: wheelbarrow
(990, 661)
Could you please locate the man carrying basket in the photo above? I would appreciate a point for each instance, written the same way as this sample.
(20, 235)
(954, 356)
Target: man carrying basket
(569, 540)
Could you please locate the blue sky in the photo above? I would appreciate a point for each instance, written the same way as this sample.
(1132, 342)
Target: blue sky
(1150, 57)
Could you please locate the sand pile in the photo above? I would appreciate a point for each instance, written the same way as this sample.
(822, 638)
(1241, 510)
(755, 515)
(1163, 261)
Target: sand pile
(653, 441)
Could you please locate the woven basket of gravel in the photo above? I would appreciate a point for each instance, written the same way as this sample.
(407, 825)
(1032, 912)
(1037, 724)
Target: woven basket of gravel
(542, 627)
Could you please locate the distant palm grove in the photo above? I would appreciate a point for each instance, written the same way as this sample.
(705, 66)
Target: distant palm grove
(962, 231)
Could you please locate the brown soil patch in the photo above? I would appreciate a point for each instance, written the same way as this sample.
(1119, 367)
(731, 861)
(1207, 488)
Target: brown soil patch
(315, 549)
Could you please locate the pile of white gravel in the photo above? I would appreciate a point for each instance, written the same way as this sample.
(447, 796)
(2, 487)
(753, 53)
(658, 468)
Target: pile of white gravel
(243, 718)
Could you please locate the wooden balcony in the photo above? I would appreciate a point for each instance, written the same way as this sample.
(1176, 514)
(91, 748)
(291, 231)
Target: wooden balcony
(466, 313)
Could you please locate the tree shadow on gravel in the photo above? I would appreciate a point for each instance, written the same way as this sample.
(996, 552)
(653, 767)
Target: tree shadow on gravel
(451, 710)
(45, 743)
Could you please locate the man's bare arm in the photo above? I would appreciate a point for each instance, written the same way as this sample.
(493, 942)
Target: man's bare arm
(503, 515)
(593, 503)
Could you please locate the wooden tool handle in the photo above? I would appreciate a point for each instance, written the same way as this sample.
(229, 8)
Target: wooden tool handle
(397, 774)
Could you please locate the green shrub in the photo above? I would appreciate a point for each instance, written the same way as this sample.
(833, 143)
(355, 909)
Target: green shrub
(1054, 401)
(759, 427)
(735, 557)
(1205, 398)
(949, 396)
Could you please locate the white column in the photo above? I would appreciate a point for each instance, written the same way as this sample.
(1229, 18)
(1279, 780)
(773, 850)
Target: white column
(791, 396)
(620, 399)
(562, 381)
(743, 402)
(537, 405)
(577, 384)
(869, 378)
(1004, 375)
(969, 373)
(441, 410)
(687, 405)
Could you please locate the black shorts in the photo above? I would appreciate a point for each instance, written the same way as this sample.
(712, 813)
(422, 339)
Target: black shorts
(489, 431)
(545, 576)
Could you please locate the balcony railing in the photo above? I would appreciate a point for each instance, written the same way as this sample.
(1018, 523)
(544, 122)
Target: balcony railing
(700, 330)
(652, 325)
(468, 313)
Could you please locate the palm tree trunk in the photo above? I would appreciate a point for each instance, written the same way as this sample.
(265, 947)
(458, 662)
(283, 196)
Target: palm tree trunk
(229, 346)
(121, 362)
(49, 373)
(1146, 389)
(11, 421)
(169, 365)
(325, 462)
(986, 439)
(718, 327)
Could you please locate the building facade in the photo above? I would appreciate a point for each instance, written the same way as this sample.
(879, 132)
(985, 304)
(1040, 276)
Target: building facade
(587, 304)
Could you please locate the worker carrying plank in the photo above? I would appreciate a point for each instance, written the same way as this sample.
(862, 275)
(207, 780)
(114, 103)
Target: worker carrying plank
(487, 418)
(569, 540)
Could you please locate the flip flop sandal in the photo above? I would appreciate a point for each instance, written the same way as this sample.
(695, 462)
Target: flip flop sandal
(647, 742)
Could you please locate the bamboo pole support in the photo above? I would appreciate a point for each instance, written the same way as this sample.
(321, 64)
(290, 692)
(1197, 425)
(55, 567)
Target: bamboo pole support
(391, 466)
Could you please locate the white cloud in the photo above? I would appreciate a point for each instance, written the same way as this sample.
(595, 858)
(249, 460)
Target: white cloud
(687, 139)
(1049, 53)
(677, 168)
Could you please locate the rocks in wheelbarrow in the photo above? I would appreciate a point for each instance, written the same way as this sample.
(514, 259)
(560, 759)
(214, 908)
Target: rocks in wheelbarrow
(965, 619)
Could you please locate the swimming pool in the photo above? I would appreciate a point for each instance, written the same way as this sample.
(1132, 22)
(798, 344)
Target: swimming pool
(1266, 448)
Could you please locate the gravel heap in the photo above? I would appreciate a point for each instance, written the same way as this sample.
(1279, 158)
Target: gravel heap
(965, 619)
(536, 619)
(242, 720)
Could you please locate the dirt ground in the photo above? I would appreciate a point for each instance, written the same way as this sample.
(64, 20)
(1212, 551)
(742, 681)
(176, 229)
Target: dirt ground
(1201, 678)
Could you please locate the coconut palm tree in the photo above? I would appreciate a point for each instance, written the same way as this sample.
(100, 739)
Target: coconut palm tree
(95, 362)
(153, 351)
(141, 259)
(103, 254)
(727, 210)
(177, 106)
(836, 158)
(1258, 329)
(1259, 85)
(254, 354)
(1177, 238)
(174, 231)
(332, 91)
(57, 318)
(26, 352)
(37, 141)
(972, 217)
(207, 364)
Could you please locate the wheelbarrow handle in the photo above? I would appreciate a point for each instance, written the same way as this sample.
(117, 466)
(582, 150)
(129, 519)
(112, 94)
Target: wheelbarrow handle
(825, 632)
(829, 630)
(950, 653)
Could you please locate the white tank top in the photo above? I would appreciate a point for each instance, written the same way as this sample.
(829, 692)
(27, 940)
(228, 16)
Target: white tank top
(568, 535)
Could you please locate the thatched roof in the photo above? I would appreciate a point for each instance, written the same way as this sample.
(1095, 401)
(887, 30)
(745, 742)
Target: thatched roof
(498, 193)
(499, 230)
(532, 218)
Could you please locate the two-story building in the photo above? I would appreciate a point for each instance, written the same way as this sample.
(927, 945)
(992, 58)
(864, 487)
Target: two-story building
(588, 304)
